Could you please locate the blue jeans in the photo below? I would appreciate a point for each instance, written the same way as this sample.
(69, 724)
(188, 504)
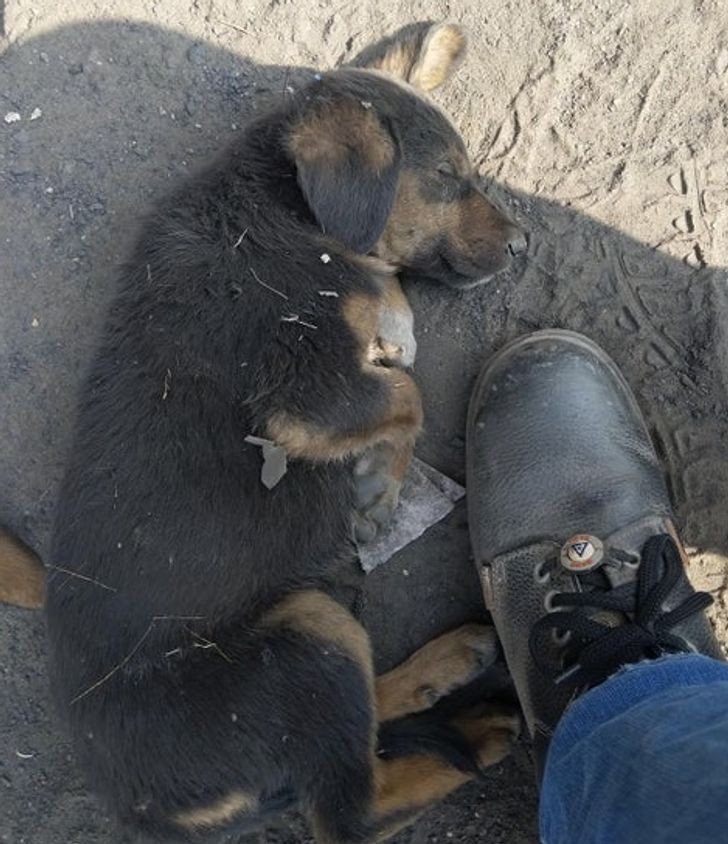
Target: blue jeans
(642, 759)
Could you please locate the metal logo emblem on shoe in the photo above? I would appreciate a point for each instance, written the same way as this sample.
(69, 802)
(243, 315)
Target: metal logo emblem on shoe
(582, 553)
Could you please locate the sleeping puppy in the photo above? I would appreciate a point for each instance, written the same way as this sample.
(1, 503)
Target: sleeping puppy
(208, 679)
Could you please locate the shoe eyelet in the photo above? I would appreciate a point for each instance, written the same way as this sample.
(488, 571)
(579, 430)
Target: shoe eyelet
(561, 640)
(548, 601)
(541, 574)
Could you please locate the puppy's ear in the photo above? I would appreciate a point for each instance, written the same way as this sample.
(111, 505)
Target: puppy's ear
(423, 54)
(348, 162)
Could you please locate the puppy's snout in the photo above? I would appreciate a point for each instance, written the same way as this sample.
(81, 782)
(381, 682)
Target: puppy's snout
(516, 242)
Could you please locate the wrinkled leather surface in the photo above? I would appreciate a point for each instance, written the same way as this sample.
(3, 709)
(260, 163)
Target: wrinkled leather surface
(557, 446)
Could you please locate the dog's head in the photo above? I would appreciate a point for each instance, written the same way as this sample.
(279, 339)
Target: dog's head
(384, 171)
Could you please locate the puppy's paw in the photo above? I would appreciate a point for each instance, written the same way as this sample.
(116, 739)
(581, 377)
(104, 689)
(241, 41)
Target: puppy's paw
(491, 730)
(395, 344)
(377, 493)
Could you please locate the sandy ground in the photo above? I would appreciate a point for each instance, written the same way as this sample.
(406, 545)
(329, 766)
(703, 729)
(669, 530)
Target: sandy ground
(603, 127)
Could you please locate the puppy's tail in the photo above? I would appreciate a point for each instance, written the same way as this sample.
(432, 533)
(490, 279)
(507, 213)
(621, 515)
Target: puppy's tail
(22, 576)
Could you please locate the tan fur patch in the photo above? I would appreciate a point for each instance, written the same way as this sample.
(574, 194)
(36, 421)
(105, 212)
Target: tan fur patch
(404, 788)
(424, 63)
(409, 784)
(393, 296)
(438, 668)
(316, 614)
(328, 136)
(415, 223)
(361, 313)
(220, 812)
(412, 222)
(22, 576)
(491, 735)
(399, 59)
(402, 421)
(372, 264)
(442, 51)
(374, 319)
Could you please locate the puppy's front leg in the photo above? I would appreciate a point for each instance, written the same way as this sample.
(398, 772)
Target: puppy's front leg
(395, 344)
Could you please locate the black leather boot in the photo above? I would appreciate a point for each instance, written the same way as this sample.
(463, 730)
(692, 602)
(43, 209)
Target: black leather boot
(572, 527)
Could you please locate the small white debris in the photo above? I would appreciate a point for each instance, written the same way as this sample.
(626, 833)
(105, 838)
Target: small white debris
(290, 89)
(234, 717)
(35, 114)
(325, 258)
(12, 117)
(405, 572)
(22, 755)
(167, 384)
(366, 103)
(317, 77)
(119, 545)
(275, 461)
(332, 293)
(35, 322)
(296, 318)
(49, 190)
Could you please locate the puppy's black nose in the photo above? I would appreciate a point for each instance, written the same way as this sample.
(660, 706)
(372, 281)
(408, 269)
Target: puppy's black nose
(517, 242)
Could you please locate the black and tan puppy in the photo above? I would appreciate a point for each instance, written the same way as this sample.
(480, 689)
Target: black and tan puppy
(208, 678)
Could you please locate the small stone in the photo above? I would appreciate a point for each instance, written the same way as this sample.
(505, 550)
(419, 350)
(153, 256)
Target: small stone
(75, 69)
(366, 103)
(197, 54)
(12, 117)
(325, 258)
(35, 114)
(190, 104)
(35, 322)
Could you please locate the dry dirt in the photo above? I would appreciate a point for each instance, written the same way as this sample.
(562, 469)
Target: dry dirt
(602, 125)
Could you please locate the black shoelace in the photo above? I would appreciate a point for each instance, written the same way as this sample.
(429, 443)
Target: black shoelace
(600, 649)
